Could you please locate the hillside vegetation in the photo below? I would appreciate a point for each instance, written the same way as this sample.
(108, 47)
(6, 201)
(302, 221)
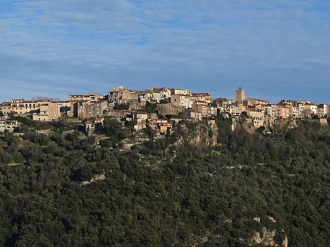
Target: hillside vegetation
(62, 190)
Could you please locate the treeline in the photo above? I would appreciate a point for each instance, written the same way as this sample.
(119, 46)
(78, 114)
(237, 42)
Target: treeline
(161, 193)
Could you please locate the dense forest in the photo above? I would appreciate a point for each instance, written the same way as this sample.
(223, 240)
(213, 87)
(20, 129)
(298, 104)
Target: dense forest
(162, 193)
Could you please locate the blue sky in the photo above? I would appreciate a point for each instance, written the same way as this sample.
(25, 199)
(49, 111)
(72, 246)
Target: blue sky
(272, 49)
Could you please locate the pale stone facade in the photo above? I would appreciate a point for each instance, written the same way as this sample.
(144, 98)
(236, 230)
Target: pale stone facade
(121, 95)
(201, 107)
(194, 115)
(8, 125)
(309, 110)
(181, 91)
(5, 107)
(238, 109)
(182, 100)
(202, 97)
(80, 109)
(253, 102)
(256, 116)
(240, 96)
(322, 110)
(74, 99)
(140, 118)
(20, 106)
(51, 111)
(164, 127)
(92, 126)
(96, 108)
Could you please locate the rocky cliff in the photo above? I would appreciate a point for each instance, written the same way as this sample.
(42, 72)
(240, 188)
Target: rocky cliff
(199, 134)
(267, 238)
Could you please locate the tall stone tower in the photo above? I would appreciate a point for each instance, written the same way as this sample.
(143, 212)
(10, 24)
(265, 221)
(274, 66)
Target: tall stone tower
(240, 95)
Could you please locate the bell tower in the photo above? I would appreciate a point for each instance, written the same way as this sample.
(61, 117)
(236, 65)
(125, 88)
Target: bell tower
(240, 96)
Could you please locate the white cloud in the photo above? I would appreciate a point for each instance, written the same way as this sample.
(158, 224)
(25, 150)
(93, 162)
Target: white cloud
(147, 42)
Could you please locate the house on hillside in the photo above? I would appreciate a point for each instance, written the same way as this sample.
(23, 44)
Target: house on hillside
(161, 124)
(8, 125)
(92, 126)
(121, 95)
(140, 118)
(180, 91)
(193, 115)
(51, 111)
(80, 109)
(97, 108)
(182, 100)
(256, 116)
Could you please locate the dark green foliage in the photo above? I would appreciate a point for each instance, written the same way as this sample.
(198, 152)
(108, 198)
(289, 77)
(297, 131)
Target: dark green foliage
(27, 124)
(160, 193)
(224, 127)
(38, 138)
(18, 130)
(119, 107)
(113, 129)
(164, 101)
(261, 129)
(150, 132)
(91, 140)
(150, 107)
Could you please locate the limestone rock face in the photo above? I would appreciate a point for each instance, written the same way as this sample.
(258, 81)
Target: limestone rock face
(245, 124)
(285, 242)
(97, 177)
(267, 238)
(169, 109)
(205, 134)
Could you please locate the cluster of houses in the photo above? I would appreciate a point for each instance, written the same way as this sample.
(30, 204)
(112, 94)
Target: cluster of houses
(172, 105)
(263, 112)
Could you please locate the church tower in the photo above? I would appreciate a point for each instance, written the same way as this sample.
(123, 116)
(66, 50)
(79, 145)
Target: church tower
(240, 95)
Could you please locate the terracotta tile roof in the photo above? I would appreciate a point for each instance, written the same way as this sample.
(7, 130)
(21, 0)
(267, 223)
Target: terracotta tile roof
(258, 100)
(202, 94)
(98, 101)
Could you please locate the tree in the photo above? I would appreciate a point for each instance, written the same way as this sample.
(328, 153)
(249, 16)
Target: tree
(164, 101)
(63, 122)
(120, 107)
(307, 113)
(150, 107)
(46, 98)
(11, 114)
(113, 129)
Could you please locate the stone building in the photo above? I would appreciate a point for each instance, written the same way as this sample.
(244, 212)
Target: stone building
(51, 111)
(8, 125)
(96, 108)
(240, 96)
(180, 91)
(76, 98)
(121, 95)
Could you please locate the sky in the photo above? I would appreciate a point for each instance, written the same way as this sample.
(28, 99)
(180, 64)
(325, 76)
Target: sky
(273, 49)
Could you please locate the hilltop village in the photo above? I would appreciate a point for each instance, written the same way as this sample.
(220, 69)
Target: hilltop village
(160, 109)
(164, 167)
